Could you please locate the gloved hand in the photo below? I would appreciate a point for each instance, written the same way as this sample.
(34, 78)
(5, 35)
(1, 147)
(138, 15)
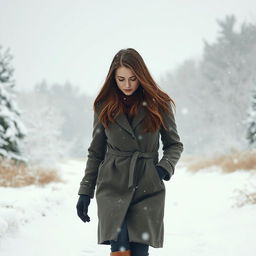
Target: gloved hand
(82, 207)
(161, 172)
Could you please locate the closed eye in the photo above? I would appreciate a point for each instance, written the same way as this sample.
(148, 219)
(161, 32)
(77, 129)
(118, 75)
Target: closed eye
(132, 78)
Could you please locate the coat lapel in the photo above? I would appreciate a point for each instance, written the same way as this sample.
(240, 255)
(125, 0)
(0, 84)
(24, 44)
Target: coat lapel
(124, 123)
(139, 117)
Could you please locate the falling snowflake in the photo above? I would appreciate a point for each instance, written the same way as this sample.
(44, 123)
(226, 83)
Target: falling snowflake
(140, 137)
(145, 208)
(118, 230)
(98, 130)
(122, 248)
(145, 236)
(184, 111)
(144, 103)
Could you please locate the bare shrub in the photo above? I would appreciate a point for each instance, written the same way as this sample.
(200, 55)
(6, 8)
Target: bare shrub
(230, 162)
(245, 196)
(19, 175)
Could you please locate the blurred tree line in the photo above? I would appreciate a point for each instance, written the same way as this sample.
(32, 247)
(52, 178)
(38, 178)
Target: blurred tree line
(59, 119)
(215, 93)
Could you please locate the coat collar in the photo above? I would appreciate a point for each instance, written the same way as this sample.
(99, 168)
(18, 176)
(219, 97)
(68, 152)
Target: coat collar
(124, 123)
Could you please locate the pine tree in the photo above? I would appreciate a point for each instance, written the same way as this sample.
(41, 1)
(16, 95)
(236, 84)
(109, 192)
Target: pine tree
(251, 121)
(12, 131)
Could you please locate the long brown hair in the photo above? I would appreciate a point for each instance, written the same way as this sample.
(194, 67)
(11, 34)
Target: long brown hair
(155, 100)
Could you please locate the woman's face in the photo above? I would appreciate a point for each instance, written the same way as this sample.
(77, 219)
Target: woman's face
(126, 80)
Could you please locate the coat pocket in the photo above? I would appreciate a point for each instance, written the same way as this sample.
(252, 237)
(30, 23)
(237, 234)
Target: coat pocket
(157, 178)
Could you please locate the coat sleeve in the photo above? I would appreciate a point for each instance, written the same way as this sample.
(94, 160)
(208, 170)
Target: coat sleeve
(172, 146)
(96, 154)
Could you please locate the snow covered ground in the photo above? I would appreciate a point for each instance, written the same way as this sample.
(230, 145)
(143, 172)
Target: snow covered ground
(200, 217)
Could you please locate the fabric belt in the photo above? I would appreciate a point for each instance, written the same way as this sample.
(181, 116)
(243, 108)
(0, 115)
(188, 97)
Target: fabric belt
(134, 156)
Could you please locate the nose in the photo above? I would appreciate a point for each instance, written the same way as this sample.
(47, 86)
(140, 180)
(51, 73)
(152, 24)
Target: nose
(127, 84)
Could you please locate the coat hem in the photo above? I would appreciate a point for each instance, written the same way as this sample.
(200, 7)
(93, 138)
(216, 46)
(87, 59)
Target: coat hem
(107, 242)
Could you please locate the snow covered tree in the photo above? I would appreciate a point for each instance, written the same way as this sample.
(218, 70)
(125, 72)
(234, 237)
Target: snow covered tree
(12, 131)
(228, 67)
(213, 91)
(251, 121)
(54, 117)
(76, 110)
(44, 146)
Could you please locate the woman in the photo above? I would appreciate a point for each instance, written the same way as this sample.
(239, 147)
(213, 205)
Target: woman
(130, 114)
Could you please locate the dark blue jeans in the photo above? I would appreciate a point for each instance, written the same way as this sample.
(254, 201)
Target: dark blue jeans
(123, 244)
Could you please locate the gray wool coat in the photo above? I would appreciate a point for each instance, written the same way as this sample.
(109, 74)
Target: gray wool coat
(121, 166)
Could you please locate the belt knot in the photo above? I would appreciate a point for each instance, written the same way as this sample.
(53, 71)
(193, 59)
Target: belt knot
(134, 156)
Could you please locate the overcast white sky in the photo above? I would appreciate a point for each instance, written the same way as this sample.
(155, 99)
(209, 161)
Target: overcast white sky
(75, 41)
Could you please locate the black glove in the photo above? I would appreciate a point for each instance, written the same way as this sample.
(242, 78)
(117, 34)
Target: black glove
(161, 172)
(82, 207)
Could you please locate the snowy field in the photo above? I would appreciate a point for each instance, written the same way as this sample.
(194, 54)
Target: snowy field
(200, 217)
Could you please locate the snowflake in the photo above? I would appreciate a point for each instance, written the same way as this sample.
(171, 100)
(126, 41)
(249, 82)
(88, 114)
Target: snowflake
(120, 200)
(184, 111)
(145, 235)
(122, 248)
(98, 130)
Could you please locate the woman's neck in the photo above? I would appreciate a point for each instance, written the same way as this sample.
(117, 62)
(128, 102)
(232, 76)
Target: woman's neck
(128, 100)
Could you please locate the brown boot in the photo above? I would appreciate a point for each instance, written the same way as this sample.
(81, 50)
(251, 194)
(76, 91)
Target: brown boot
(121, 253)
